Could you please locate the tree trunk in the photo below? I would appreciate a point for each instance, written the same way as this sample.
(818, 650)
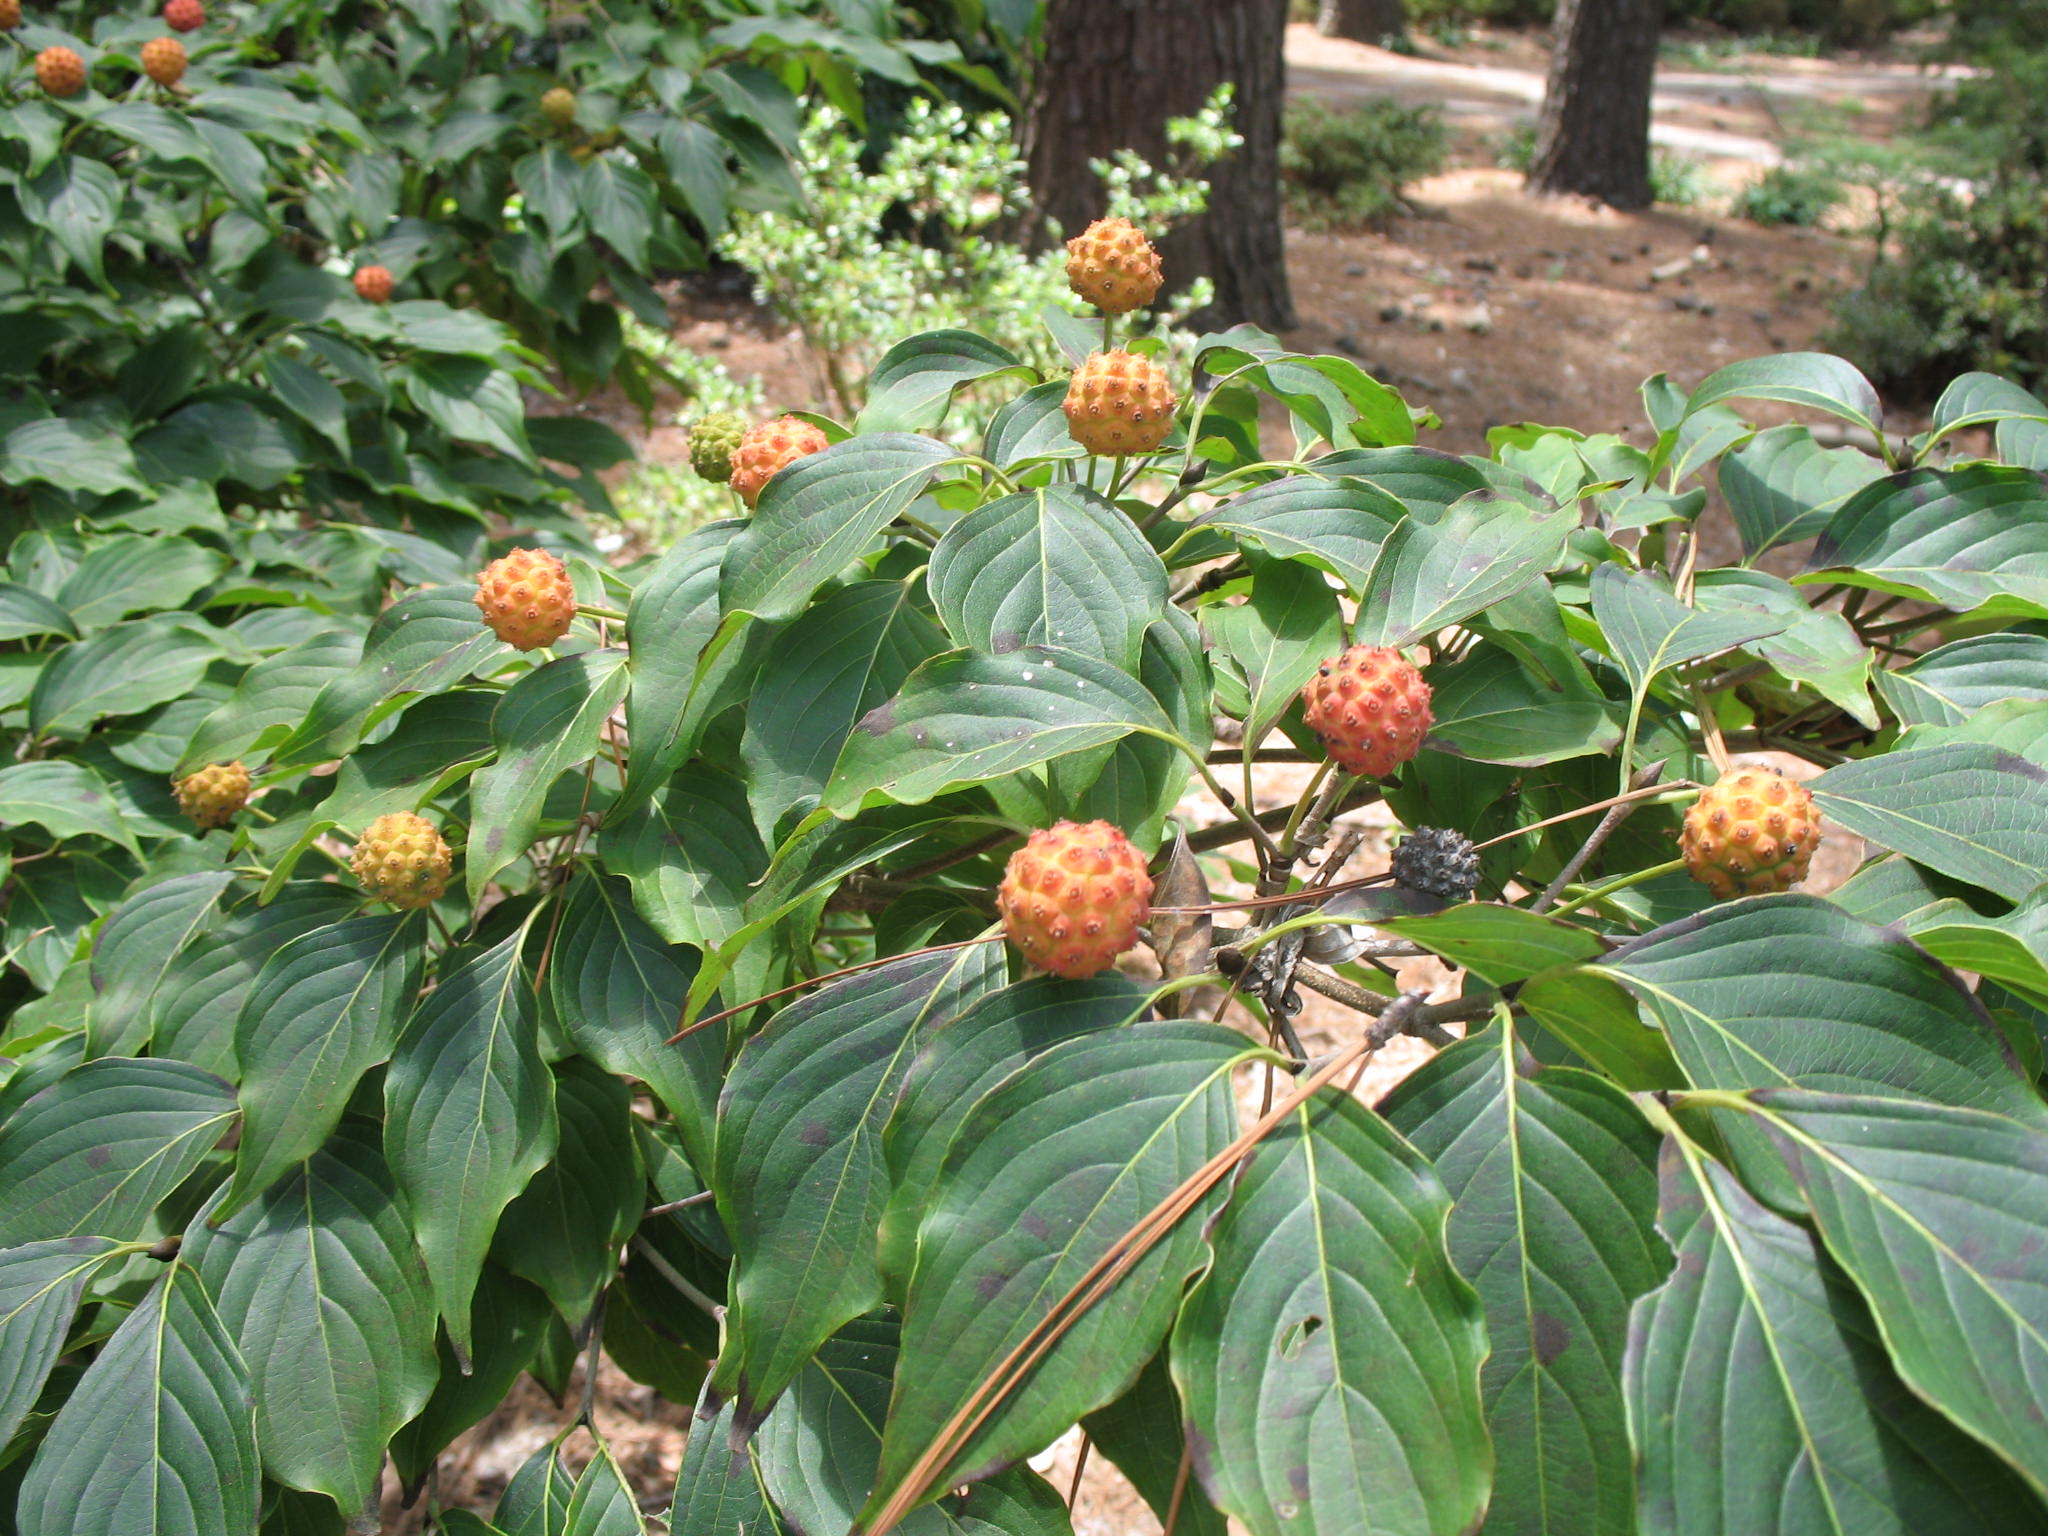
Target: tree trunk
(1363, 21)
(1110, 75)
(1594, 136)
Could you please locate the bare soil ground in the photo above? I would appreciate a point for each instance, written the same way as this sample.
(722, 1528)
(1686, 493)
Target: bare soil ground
(1490, 307)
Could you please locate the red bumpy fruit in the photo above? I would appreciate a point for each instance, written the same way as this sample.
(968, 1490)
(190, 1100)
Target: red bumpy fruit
(1119, 403)
(163, 60)
(213, 794)
(1113, 266)
(373, 283)
(184, 15)
(527, 599)
(1370, 709)
(402, 859)
(1073, 896)
(1753, 832)
(60, 71)
(768, 448)
(10, 15)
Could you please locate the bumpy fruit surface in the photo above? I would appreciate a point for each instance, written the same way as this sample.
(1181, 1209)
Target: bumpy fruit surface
(184, 15)
(10, 15)
(1073, 896)
(527, 599)
(163, 60)
(1438, 862)
(213, 794)
(403, 860)
(1119, 403)
(1369, 708)
(1752, 832)
(558, 106)
(712, 442)
(1113, 266)
(60, 71)
(768, 448)
(373, 283)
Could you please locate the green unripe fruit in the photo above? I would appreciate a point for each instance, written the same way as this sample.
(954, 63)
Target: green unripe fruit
(558, 106)
(712, 441)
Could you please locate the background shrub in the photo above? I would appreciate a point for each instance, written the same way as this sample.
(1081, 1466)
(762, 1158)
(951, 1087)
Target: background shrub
(1347, 167)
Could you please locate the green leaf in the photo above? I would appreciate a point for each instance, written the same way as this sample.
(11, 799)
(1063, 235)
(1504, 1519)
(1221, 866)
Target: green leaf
(65, 798)
(166, 1405)
(1502, 945)
(1057, 566)
(273, 696)
(536, 1501)
(548, 180)
(469, 399)
(1551, 1172)
(1966, 809)
(1492, 709)
(25, 612)
(1793, 990)
(691, 855)
(1938, 1214)
(1651, 631)
(1485, 547)
(433, 746)
(325, 1009)
(1760, 1398)
(619, 202)
(1981, 400)
(135, 573)
(134, 951)
(323, 1292)
(564, 1230)
(1018, 1216)
(963, 718)
(2011, 950)
(2020, 726)
(695, 159)
(1290, 625)
(799, 1171)
(621, 996)
(96, 1150)
(1818, 648)
(469, 1117)
(81, 456)
(1143, 1434)
(510, 1320)
(40, 1286)
(719, 1490)
(1330, 1357)
(847, 654)
(673, 616)
(911, 387)
(1339, 526)
(423, 643)
(120, 671)
(1948, 685)
(1782, 486)
(1815, 379)
(78, 200)
(1964, 538)
(818, 514)
(962, 1060)
(308, 395)
(550, 721)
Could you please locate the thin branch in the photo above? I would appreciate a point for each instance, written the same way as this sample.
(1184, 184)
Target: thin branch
(674, 1277)
(702, 1197)
(1645, 779)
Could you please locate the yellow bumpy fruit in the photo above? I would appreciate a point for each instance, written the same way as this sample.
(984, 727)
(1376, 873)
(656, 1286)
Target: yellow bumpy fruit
(1751, 833)
(1113, 266)
(527, 599)
(1073, 897)
(403, 859)
(213, 794)
(1119, 403)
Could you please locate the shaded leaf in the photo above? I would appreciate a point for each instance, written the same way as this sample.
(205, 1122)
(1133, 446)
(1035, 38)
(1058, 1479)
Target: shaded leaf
(1965, 809)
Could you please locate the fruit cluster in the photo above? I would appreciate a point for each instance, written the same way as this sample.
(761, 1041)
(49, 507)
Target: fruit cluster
(402, 858)
(1369, 708)
(769, 448)
(527, 598)
(1753, 831)
(1073, 897)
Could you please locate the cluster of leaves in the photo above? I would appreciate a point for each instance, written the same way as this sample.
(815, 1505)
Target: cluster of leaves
(296, 1185)
(1348, 168)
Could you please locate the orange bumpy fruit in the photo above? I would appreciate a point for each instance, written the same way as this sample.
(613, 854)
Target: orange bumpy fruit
(1370, 708)
(1073, 896)
(213, 794)
(1113, 266)
(10, 15)
(163, 60)
(373, 283)
(1753, 832)
(184, 15)
(402, 859)
(1119, 403)
(60, 71)
(527, 599)
(768, 448)
(558, 106)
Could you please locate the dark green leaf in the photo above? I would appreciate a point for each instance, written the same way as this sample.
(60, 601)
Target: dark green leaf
(1651, 631)
(691, 855)
(469, 399)
(120, 671)
(40, 1285)
(510, 1320)
(25, 612)
(70, 455)
(65, 799)
(1483, 548)
(912, 385)
(78, 200)
(1502, 945)
(1815, 379)
(1966, 809)
(134, 573)
(136, 947)
(1949, 684)
(1963, 538)
(1290, 625)
(273, 696)
(1338, 526)
(718, 1490)
(673, 617)
(1492, 709)
(1143, 1434)
(618, 201)
(1782, 486)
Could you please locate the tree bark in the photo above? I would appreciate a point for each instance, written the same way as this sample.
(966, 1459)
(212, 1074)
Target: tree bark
(1110, 74)
(1594, 135)
(1363, 21)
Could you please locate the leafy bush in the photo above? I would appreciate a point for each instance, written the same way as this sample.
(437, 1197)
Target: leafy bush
(1789, 194)
(1347, 168)
(1678, 180)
